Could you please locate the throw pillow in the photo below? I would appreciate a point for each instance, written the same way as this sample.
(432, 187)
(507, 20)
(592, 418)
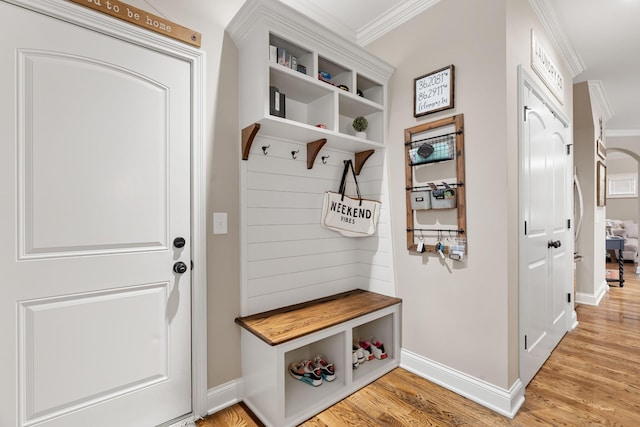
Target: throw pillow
(620, 232)
(632, 229)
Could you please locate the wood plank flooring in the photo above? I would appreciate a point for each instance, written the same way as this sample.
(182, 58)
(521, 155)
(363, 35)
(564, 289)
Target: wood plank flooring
(591, 379)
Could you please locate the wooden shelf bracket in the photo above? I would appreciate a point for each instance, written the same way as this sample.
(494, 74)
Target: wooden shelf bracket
(248, 135)
(361, 158)
(313, 148)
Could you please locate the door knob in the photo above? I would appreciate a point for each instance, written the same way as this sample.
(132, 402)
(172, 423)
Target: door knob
(179, 267)
(179, 242)
(554, 244)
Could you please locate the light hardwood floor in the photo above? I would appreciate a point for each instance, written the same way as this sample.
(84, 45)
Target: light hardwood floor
(591, 379)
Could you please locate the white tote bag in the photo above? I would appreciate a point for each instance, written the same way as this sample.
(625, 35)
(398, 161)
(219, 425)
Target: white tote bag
(349, 216)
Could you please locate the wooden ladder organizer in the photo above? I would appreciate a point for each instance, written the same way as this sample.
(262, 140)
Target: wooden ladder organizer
(458, 122)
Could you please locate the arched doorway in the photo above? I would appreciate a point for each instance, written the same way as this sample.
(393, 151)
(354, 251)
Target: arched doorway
(623, 204)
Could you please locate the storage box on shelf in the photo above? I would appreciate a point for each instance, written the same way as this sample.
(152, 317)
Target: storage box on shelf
(272, 341)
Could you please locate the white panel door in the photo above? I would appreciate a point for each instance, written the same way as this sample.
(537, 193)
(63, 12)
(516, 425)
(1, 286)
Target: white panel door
(546, 250)
(95, 183)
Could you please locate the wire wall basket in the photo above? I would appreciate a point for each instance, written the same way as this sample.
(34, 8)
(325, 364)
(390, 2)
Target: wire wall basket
(431, 150)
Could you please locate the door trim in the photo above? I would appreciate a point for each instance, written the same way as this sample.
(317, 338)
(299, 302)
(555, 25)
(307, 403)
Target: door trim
(92, 20)
(526, 81)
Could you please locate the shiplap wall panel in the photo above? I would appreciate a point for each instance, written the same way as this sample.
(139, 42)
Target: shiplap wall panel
(290, 258)
(280, 216)
(284, 282)
(380, 286)
(279, 250)
(375, 256)
(380, 272)
(366, 256)
(279, 199)
(319, 290)
(285, 233)
(277, 181)
(279, 266)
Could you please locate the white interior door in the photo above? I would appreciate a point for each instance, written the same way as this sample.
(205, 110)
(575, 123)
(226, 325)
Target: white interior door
(546, 250)
(95, 183)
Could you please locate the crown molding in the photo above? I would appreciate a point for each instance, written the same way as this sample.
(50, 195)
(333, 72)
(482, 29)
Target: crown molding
(558, 38)
(599, 96)
(391, 19)
(621, 133)
(381, 25)
(289, 22)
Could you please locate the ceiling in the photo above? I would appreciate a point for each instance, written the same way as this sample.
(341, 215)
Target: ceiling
(600, 40)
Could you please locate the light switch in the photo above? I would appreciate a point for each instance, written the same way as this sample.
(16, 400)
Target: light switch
(219, 223)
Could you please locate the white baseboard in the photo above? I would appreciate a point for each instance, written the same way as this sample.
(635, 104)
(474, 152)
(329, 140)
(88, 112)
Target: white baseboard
(574, 319)
(505, 402)
(595, 298)
(186, 422)
(224, 395)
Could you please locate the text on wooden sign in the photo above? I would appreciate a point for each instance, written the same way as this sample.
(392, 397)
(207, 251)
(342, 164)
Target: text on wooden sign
(143, 19)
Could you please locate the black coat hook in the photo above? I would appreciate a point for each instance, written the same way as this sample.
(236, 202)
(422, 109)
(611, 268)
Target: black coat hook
(294, 154)
(265, 148)
(324, 159)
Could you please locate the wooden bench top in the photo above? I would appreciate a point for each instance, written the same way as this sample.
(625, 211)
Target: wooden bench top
(288, 323)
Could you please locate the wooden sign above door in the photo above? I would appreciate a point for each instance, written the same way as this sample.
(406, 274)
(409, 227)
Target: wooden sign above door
(143, 19)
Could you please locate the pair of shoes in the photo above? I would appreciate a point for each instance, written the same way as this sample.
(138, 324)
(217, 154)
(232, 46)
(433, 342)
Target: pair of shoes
(306, 371)
(327, 370)
(360, 355)
(313, 371)
(374, 347)
(365, 347)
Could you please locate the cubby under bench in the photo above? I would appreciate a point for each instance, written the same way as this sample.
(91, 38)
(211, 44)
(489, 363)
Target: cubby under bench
(327, 326)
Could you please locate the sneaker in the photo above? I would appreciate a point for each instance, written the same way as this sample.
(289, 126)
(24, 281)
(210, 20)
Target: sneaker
(327, 370)
(360, 353)
(378, 349)
(305, 371)
(354, 360)
(366, 348)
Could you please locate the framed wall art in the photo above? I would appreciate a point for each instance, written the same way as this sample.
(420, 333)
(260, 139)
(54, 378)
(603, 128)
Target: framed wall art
(622, 185)
(601, 184)
(600, 148)
(433, 91)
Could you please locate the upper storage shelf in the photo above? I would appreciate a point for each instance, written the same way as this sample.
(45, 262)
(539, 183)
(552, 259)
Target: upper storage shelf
(325, 81)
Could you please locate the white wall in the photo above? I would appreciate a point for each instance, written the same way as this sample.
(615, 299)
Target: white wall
(465, 316)
(590, 273)
(623, 207)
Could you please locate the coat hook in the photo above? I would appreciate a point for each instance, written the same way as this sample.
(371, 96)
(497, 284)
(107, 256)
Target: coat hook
(265, 148)
(294, 154)
(324, 159)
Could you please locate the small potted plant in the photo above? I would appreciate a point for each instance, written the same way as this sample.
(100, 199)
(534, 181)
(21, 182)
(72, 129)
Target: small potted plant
(360, 124)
